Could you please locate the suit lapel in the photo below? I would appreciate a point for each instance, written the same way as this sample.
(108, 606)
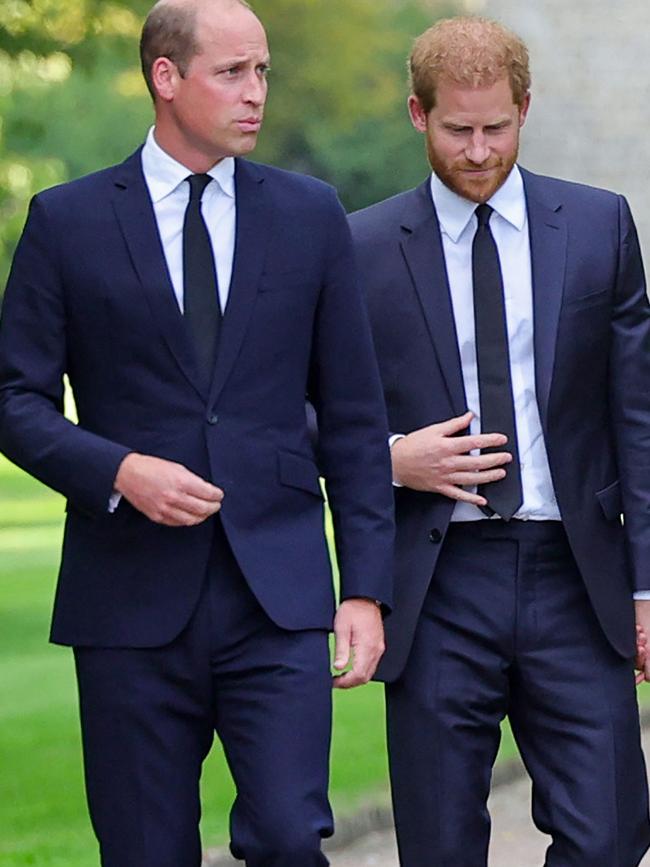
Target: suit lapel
(548, 247)
(253, 231)
(422, 248)
(137, 220)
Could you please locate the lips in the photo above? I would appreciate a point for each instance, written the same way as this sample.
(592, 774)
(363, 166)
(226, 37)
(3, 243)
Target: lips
(479, 170)
(476, 171)
(250, 124)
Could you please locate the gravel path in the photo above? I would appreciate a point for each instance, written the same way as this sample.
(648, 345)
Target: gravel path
(515, 840)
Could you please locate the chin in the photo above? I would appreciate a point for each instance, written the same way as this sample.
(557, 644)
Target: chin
(245, 146)
(479, 193)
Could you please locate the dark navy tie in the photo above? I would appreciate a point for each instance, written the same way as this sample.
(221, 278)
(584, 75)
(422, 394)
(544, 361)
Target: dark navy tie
(200, 289)
(493, 357)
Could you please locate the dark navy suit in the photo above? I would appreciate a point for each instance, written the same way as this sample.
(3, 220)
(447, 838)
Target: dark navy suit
(468, 644)
(245, 601)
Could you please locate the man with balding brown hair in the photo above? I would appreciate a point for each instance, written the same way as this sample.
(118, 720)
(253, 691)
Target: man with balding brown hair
(512, 328)
(194, 298)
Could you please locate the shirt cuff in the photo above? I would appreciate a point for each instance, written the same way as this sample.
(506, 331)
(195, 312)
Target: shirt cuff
(114, 501)
(642, 595)
(392, 439)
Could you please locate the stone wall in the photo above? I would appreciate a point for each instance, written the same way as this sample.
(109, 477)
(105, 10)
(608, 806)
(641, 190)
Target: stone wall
(590, 114)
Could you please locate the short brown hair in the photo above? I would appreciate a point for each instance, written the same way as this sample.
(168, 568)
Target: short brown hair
(470, 51)
(170, 31)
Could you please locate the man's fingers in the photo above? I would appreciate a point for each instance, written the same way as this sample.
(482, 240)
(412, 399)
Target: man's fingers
(462, 446)
(193, 507)
(342, 639)
(460, 494)
(165, 491)
(476, 463)
(477, 478)
(362, 670)
(453, 425)
(181, 517)
(201, 507)
(349, 680)
(197, 487)
(474, 442)
(359, 634)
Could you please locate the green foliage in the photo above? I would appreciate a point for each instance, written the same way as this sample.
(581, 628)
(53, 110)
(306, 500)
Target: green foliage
(72, 99)
(42, 802)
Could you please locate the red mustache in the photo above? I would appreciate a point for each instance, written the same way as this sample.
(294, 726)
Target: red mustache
(472, 167)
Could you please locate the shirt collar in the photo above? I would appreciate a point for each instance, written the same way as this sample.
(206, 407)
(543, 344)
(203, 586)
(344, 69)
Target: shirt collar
(454, 212)
(164, 174)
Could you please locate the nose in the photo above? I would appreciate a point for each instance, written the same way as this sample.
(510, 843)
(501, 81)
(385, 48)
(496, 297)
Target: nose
(477, 150)
(255, 90)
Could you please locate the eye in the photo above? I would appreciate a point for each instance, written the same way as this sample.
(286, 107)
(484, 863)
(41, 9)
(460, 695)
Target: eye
(498, 127)
(264, 69)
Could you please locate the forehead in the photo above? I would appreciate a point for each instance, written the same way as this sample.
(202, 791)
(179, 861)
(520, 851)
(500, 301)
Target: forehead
(229, 28)
(454, 99)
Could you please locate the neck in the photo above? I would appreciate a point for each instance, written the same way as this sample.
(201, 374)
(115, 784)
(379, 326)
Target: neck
(168, 139)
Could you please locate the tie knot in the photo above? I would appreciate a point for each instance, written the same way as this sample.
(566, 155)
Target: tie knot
(483, 214)
(198, 183)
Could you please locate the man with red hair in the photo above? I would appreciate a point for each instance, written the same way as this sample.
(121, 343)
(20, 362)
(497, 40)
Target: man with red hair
(513, 333)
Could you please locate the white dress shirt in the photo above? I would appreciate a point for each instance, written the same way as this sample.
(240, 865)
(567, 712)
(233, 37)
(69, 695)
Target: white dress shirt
(509, 225)
(165, 179)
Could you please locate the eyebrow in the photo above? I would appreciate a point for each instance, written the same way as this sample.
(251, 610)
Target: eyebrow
(453, 124)
(242, 58)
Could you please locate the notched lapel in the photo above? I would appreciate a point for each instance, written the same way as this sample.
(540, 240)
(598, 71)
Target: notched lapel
(548, 249)
(137, 220)
(252, 237)
(422, 248)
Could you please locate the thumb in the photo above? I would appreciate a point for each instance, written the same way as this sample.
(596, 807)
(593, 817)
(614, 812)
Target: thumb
(341, 646)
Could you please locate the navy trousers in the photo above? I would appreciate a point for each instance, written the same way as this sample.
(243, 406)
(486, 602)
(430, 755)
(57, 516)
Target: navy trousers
(149, 718)
(507, 630)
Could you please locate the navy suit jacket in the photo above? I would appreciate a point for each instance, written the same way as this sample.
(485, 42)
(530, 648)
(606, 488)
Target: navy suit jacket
(592, 368)
(89, 295)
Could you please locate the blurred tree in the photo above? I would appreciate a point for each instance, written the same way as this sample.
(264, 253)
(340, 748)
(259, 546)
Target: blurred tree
(72, 99)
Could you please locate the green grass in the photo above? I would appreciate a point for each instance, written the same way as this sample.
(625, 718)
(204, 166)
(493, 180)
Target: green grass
(42, 805)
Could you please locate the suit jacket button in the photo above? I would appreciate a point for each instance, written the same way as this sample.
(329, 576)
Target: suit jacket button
(213, 419)
(435, 536)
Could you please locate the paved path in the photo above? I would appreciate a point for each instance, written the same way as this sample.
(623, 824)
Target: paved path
(515, 840)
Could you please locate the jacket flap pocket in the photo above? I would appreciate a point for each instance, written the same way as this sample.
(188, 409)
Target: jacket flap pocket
(610, 500)
(298, 472)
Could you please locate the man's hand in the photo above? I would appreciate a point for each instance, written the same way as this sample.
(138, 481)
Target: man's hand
(166, 492)
(359, 634)
(435, 459)
(642, 661)
(641, 654)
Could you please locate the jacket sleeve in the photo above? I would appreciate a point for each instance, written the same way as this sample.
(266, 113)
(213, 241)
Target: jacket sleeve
(347, 396)
(34, 433)
(630, 396)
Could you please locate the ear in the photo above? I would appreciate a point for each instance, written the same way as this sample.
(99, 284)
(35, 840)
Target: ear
(523, 111)
(165, 76)
(417, 113)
